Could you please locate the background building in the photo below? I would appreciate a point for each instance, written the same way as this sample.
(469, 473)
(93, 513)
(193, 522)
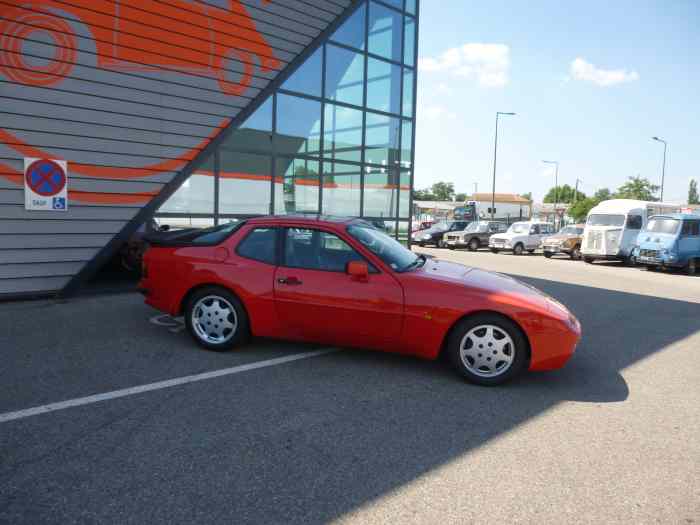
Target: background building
(198, 113)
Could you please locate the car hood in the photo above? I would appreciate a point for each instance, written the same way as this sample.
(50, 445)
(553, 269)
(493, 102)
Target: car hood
(500, 287)
(562, 237)
(506, 236)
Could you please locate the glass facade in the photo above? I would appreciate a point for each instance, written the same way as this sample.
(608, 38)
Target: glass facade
(336, 137)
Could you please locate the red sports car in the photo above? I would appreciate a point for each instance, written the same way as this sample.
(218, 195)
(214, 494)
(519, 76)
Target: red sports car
(343, 282)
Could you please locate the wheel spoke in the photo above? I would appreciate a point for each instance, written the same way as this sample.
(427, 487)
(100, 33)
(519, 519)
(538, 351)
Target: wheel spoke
(487, 350)
(214, 319)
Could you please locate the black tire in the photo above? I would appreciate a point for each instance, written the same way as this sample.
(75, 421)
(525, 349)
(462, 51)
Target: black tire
(576, 253)
(494, 250)
(691, 267)
(238, 336)
(588, 260)
(421, 244)
(450, 247)
(518, 249)
(520, 351)
(474, 245)
(531, 252)
(548, 255)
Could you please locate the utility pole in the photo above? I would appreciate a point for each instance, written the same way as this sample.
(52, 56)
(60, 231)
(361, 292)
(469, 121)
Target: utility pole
(576, 191)
(476, 189)
(495, 155)
(663, 166)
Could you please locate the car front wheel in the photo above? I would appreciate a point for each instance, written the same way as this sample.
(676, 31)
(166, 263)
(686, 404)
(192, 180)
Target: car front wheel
(488, 349)
(216, 319)
(474, 245)
(494, 250)
(518, 249)
(575, 253)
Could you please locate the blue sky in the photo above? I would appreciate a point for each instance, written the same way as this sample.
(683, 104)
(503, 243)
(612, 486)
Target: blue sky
(591, 83)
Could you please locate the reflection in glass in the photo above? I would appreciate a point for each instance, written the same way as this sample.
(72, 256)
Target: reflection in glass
(411, 6)
(384, 32)
(404, 194)
(352, 32)
(409, 42)
(345, 75)
(307, 79)
(298, 125)
(343, 133)
(255, 133)
(383, 86)
(406, 144)
(381, 139)
(299, 179)
(244, 183)
(407, 109)
(196, 195)
(381, 192)
(341, 189)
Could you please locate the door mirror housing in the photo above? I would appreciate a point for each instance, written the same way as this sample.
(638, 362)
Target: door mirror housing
(358, 270)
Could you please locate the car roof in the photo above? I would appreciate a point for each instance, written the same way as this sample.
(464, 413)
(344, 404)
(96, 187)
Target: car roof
(679, 216)
(304, 218)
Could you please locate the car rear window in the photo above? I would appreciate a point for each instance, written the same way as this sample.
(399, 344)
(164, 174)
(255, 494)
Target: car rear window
(259, 245)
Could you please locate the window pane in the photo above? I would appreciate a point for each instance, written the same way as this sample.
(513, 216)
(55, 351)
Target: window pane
(244, 183)
(196, 195)
(341, 189)
(383, 86)
(406, 144)
(381, 192)
(335, 253)
(259, 245)
(255, 133)
(343, 133)
(352, 32)
(411, 6)
(307, 79)
(317, 250)
(381, 139)
(298, 125)
(409, 43)
(175, 223)
(398, 4)
(384, 32)
(345, 75)
(404, 190)
(407, 110)
(402, 234)
(300, 185)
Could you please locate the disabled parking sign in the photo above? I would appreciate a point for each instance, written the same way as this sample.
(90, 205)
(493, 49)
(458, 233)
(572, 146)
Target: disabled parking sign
(45, 184)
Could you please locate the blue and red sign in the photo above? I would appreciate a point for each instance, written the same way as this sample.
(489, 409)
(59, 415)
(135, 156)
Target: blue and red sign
(45, 184)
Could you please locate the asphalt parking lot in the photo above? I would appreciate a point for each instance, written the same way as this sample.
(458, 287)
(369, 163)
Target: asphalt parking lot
(353, 436)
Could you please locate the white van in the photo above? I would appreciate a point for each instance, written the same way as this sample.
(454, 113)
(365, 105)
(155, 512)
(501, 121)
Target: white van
(612, 227)
(521, 236)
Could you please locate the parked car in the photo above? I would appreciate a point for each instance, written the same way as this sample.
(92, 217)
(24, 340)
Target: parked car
(433, 235)
(567, 241)
(521, 237)
(670, 241)
(344, 283)
(421, 225)
(474, 236)
(612, 228)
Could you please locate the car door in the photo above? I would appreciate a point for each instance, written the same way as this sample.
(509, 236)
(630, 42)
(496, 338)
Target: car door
(689, 239)
(318, 301)
(533, 239)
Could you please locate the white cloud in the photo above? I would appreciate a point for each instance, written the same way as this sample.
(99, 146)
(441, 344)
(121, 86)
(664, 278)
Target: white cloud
(580, 69)
(435, 112)
(489, 64)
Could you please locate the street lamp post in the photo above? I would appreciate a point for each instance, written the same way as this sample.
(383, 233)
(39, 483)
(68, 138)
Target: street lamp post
(556, 186)
(663, 166)
(495, 154)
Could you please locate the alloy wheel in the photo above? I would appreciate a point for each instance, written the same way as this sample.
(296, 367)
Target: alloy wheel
(214, 319)
(487, 351)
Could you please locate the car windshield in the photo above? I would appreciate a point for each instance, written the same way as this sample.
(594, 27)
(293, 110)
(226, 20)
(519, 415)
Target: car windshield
(605, 220)
(389, 250)
(570, 230)
(440, 227)
(663, 225)
(519, 227)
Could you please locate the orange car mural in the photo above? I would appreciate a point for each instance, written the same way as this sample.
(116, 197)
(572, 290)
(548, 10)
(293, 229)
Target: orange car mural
(137, 35)
(180, 36)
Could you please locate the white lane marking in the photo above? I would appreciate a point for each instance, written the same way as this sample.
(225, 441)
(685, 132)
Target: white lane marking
(70, 403)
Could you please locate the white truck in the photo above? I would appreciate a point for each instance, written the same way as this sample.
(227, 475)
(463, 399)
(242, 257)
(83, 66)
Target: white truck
(613, 225)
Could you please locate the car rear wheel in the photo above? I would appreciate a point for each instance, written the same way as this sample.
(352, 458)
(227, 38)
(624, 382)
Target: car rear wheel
(548, 255)
(588, 260)
(494, 250)
(518, 249)
(691, 268)
(474, 245)
(576, 253)
(488, 349)
(216, 319)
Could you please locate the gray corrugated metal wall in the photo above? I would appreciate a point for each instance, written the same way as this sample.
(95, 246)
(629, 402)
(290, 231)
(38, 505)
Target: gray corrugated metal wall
(127, 91)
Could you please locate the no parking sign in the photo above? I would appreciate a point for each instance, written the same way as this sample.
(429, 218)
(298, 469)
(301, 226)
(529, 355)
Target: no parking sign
(45, 184)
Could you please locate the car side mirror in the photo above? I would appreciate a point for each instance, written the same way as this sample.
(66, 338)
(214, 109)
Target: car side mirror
(358, 270)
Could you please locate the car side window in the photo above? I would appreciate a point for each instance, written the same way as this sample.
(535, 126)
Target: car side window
(691, 228)
(535, 229)
(259, 245)
(318, 250)
(634, 222)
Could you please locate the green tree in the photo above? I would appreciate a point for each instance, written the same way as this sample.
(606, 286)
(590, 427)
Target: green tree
(580, 210)
(602, 194)
(637, 188)
(423, 195)
(564, 195)
(693, 197)
(461, 197)
(443, 191)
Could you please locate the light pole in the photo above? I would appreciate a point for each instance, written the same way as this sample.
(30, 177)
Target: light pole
(556, 186)
(663, 166)
(495, 154)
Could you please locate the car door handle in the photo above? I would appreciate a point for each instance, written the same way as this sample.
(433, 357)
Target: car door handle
(290, 281)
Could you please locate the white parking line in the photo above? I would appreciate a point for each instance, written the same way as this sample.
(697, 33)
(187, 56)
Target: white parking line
(70, 403)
